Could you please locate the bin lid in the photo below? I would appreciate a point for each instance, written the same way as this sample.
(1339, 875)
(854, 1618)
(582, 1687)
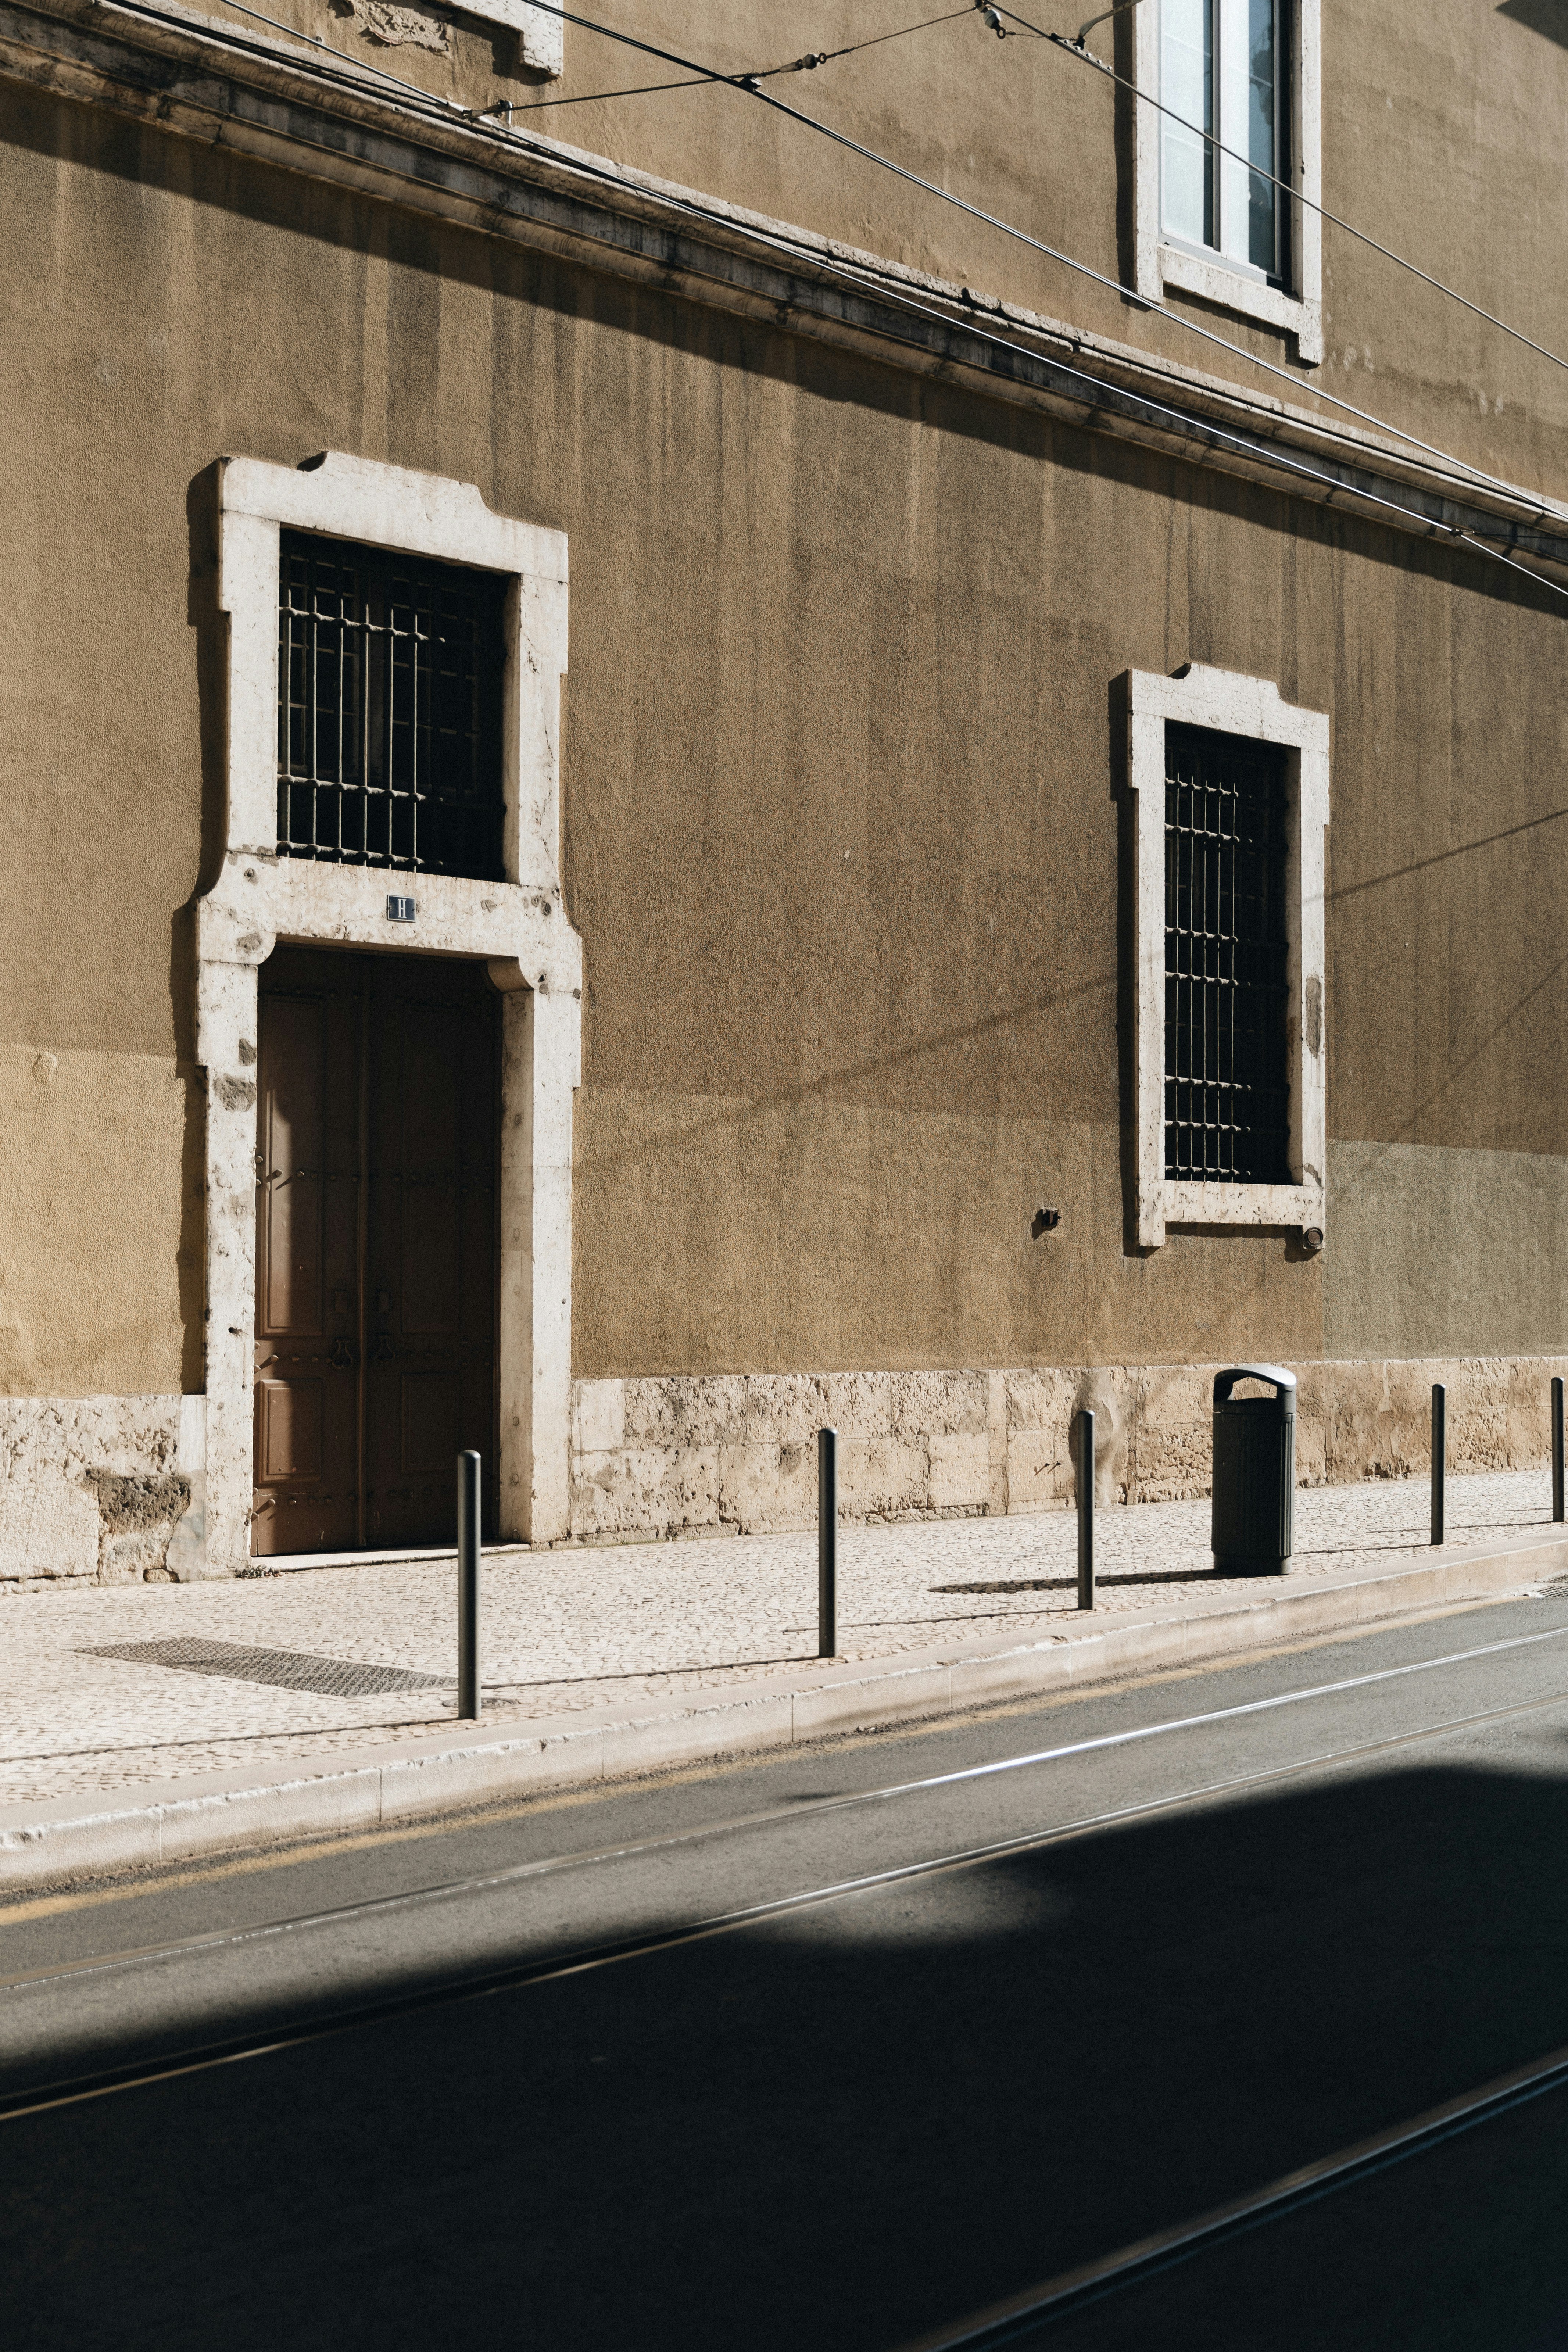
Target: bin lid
(1275, 1374)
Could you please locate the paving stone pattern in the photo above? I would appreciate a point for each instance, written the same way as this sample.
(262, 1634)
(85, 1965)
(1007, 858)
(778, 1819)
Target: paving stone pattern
(564, 1630)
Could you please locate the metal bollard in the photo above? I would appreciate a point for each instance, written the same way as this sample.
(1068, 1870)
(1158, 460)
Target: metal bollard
(826, 1543)
(1085, 1434)
(1557, 1451)
(468, 1699)
(1440, 1455)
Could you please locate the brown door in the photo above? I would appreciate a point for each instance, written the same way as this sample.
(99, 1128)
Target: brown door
(375, 1279)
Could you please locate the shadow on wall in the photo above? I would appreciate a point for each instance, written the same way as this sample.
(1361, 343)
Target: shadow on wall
(1548, 16)
(840, 2128)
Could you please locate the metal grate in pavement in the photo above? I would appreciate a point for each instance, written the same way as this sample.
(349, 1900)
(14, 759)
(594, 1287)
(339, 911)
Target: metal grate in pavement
(288, 1669)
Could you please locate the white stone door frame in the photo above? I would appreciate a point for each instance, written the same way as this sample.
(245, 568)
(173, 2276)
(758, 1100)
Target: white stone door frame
(518, 926)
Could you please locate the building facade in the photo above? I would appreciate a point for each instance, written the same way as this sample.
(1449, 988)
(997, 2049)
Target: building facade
(666, 783)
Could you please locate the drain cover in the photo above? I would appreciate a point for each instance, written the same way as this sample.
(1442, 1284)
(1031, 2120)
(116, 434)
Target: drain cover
(288, 1669)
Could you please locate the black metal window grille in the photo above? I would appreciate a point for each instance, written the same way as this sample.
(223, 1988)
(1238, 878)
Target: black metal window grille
(389, 710)
(1228, 1093)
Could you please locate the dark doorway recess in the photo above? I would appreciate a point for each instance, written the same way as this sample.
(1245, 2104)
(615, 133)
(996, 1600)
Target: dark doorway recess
(377, 1251)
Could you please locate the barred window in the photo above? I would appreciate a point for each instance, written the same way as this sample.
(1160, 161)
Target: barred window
(1227, 1091)
(389, 710)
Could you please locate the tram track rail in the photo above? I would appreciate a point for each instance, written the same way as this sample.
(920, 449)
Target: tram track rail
(1023, 2317)
(547, 1968)
(625, 1850)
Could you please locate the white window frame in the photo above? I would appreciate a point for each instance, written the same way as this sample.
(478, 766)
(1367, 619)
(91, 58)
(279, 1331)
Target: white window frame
(1163, 262)
(1230, 704)
(518, 926)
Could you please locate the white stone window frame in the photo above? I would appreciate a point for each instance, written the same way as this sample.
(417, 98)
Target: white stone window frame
(517, 927)
(1253, 707)
(1161, 263)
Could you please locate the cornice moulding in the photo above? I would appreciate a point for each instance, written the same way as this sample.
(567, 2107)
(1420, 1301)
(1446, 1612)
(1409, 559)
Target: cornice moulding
(306, 108)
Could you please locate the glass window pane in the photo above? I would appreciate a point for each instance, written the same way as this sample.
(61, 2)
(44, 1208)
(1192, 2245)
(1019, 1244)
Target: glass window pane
(1186, 85)
(1262, 135)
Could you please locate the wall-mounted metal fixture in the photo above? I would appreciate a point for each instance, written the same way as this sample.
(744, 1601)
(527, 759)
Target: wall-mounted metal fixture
(1313, 1240)
(1045, 1220)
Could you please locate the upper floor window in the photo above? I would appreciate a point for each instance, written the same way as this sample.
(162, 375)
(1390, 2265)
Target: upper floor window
(390, 680)
(1222, 74)
(1234, 135)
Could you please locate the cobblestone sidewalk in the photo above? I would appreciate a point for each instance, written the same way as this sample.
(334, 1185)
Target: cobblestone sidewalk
(564, 1630)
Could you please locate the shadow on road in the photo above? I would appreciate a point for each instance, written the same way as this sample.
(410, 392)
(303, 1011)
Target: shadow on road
(843, 2128)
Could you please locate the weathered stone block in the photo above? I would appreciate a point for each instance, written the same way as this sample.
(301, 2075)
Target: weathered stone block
(960, 1472)
(1039, 1472)
(859, 1404)
(880, 1479)
(765, 1489)
(599, 1416)
(931, 1404)
(88, 1487)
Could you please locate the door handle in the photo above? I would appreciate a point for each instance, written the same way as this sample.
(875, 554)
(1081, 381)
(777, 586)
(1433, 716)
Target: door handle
(341, 1355)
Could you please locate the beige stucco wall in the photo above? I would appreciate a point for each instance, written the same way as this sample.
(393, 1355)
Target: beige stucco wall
(841, 825)
(96, 1279)
(1421, 1234)
(774, 1232)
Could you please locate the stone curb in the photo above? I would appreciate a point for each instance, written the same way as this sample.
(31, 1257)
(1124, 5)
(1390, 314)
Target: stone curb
(166, 1821)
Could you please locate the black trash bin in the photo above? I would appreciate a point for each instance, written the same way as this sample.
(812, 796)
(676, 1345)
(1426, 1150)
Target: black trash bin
(1254, 1472)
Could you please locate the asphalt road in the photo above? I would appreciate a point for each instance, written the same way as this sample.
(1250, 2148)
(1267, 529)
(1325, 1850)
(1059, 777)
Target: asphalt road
(960, 2040)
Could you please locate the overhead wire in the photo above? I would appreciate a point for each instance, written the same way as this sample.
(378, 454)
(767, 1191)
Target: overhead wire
(1086, 56)
(1262, 452)
(1145, 302)
(807, 64)
(866, 278)
(863, 278)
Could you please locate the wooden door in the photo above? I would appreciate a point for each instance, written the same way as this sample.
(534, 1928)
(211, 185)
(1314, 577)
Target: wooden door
(376, 1254)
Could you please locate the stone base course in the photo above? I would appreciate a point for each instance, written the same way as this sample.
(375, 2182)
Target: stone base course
(104, 1490)
(736, 1452)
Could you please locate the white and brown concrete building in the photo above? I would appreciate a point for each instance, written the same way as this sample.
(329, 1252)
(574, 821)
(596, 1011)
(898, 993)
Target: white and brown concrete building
(660, 787)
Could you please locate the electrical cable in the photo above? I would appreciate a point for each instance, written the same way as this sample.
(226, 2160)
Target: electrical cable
(508, 108)
(1252, 449)
(1086, 56)
(1262, 452)
(807, 64)
(1145, 302)
(702, 75)
(1038, 244)
(862, 277)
